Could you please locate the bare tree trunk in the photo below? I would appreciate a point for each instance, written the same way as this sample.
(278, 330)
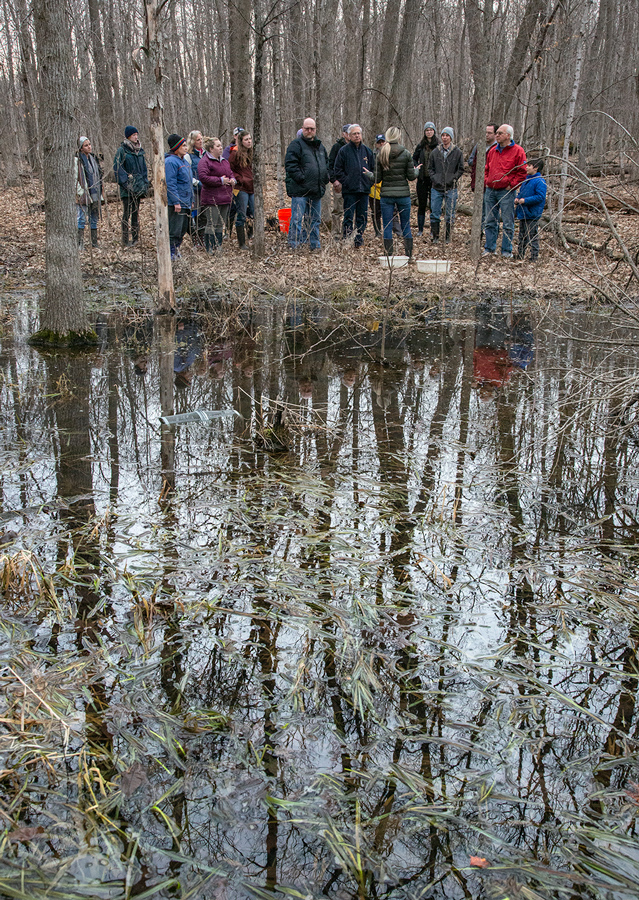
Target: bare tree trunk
(581, 44)
(384, 69)
(403, 59)
(166, 291)
(102, 81)
(512, 72)
(62, 314)
(478, 22)
(239, 17)
(258, 162)
(29, 84)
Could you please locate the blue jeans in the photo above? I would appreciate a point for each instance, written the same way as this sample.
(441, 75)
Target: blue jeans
(305, 222)
(90, 212)
(388, 205)
(355, 205)
(496, 202)
(436, 200)
(244, 201)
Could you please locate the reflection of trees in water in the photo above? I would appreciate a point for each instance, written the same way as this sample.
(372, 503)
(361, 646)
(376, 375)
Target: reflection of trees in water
(406, 619)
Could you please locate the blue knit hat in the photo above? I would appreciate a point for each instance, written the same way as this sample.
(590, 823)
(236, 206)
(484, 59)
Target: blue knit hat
(430, 125)
(449, 130)
(129, 130)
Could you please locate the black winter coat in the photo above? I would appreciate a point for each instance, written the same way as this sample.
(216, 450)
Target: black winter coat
(422, 155)
(332, 156)
(445, 172)
(130, 170)
(349, 168)
(306, 166)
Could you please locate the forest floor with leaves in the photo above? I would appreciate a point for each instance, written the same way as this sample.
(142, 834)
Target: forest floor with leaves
(338, 271)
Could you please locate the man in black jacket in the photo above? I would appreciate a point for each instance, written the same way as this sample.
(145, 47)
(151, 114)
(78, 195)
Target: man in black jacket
(351, 161)
(306, 166)
(445, 167)
(337, 208)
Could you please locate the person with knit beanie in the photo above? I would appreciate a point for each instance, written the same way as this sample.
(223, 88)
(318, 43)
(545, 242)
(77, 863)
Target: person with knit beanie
(446, 167)
(132, 177)
(88, 190)
(179, 191)
(421, 156)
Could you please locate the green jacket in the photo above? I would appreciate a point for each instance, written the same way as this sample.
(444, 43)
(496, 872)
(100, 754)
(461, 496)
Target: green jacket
(401, 170)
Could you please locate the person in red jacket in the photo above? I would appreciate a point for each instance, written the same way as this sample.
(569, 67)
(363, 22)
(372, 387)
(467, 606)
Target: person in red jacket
(505, 171)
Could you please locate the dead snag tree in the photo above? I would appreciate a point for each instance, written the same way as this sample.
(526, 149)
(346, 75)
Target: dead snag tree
(63, 319)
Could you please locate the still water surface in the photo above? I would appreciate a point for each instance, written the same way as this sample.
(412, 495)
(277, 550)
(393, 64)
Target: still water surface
(372, 622)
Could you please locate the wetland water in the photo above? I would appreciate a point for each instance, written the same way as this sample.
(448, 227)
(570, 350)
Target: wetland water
(343, 669)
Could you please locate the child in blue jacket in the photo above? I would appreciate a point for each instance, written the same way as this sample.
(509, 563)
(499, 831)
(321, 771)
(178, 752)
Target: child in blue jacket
(529, 206)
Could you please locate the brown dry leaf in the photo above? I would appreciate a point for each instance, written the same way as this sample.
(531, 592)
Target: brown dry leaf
(133, 778)
(633, 792)
(479, 862)
(26, 833)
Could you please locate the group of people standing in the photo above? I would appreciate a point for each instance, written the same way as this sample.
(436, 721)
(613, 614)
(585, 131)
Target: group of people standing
(209, 187)
(380, 179)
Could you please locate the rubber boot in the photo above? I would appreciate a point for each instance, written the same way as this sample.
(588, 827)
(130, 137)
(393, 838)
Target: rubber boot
(408, 248)
(421, 220)
(218, 239)
(135, 236)
(94, 237)
(249, 228)
(241, 236)
(81, 238)
(434, 232)
(449, 229)
(388, 247)
(125, 235)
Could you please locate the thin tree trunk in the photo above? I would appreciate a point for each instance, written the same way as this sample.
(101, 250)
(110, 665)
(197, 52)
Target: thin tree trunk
(166, 291)
(581, 44)
(258, 162)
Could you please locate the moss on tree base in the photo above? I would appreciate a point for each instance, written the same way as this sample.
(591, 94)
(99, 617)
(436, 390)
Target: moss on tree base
(71, 340)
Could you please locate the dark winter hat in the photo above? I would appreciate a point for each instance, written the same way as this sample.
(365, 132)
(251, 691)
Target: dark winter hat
(129, 130)
(175, 141)
(345, 129)
(430, 125)
(380, 137)
(237, 131)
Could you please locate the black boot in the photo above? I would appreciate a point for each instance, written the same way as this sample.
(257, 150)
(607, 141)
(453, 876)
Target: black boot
(434, 232)
(388, 247)
(81, 238)
(249, 228)
(94, 237)
(408, 247)
(217, 240)
(449, 228)
(421, 220)
(125, 235)
(241, 236)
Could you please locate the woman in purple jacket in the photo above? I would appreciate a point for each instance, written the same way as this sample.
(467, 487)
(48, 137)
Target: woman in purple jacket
(217, 181)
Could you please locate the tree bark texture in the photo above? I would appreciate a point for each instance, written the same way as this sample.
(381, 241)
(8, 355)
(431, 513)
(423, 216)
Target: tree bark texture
(62, 311)
(166, 290)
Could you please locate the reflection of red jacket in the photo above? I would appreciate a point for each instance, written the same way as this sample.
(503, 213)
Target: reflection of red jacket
(505, 168)
(492, 366)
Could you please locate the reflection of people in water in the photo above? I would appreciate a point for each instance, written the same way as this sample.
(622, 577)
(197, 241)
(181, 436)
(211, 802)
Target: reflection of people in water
(500, 348)
(216, 355)
(187, 349)
(137, 337)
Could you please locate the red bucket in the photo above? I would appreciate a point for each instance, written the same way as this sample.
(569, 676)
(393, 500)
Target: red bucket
(284, 216)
